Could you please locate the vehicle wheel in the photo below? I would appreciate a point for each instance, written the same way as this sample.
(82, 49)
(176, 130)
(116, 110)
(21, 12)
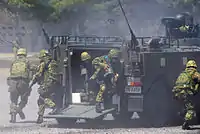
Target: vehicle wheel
(66, 122)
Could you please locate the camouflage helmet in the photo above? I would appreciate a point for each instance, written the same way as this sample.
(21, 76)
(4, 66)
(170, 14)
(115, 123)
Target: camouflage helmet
(191, 63)
(22, 51)
(43, 53)
(113, 53)
(85, 56)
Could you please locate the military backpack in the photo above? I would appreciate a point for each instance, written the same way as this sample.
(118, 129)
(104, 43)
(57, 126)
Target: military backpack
(19, 68)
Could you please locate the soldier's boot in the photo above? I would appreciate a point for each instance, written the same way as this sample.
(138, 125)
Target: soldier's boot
(22, 115)
(54, 111)
(91, 98)
(185, 126)
(39, 119)
(13, 117)
(99, 107)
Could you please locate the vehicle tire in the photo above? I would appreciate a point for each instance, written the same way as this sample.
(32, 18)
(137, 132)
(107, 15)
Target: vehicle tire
(66, 122)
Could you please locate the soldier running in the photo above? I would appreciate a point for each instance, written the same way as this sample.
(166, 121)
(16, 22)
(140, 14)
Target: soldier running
(46, 77)
(186, 86)
(18, 82)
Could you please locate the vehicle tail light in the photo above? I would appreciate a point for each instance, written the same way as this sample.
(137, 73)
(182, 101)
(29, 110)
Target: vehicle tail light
(135, 84)
(134, 81)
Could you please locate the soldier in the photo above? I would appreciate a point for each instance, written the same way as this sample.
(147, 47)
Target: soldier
(185, 88)
(87, 64)
(46, 77)
(18, 84)
(105, 76)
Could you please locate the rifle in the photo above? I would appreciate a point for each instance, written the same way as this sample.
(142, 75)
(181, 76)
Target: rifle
(54, 49)
(134, 41)
(47, 38)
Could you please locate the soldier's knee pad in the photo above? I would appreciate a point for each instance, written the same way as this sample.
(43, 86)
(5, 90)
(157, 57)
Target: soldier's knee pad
(189, 115)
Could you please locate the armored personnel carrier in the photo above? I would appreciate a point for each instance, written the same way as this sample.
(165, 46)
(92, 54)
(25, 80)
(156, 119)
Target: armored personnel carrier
(147, 77)
(127, 99)
(148, 69)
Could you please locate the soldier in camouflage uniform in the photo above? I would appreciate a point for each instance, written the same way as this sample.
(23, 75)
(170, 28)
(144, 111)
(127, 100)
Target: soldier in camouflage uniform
(18, 83)
(46, 77)
(87, 64)
(104, 75)
(185, 87)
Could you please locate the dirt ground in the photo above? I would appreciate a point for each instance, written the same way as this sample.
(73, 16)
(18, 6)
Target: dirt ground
(28, 126)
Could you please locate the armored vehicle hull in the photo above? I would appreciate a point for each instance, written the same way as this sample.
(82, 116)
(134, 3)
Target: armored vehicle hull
(158, 69)
(160, 72)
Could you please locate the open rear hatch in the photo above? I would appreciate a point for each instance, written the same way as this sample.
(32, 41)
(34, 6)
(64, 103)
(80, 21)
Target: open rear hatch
(80, 111)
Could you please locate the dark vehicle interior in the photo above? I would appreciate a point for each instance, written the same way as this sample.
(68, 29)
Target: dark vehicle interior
(76, 69)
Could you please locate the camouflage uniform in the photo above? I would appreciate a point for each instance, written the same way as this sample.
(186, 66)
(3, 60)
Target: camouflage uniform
(46, 77)
(184, 28)
(186, 86)
(18, 83)
(87, 64)
(105, 76)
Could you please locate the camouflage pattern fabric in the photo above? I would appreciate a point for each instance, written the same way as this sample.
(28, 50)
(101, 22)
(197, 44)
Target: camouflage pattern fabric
(102, 68)
(184, 28)
(18, 88)
(21, 67)
(99, 97)
(18, 83)
(189, 108)
(48, 71)
(185, 88)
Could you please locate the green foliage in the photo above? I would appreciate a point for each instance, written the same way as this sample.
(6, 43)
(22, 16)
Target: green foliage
(22, 3)
(47, 8)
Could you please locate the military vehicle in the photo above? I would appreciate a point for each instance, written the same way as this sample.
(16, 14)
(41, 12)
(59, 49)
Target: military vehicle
(127, 100)
(148, 69)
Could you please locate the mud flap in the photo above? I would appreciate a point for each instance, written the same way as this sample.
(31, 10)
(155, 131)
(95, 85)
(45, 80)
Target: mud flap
(80, 112)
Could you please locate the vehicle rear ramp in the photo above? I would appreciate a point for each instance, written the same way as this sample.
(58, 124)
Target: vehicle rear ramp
(80, 111)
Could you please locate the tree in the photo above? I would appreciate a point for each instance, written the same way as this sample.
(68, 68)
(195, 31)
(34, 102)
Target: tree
(45, 9)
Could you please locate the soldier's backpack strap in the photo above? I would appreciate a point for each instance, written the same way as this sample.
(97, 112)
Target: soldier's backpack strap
(190, 77)
(46, 66)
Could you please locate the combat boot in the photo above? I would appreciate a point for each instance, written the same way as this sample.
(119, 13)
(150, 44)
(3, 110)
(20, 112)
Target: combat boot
(99, 107)
(39, 119)
(13, 118)
(54, 111)
(22, 115)
(186, 126)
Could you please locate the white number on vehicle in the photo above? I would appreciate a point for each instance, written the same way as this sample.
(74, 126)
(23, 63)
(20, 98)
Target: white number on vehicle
(133, 90)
